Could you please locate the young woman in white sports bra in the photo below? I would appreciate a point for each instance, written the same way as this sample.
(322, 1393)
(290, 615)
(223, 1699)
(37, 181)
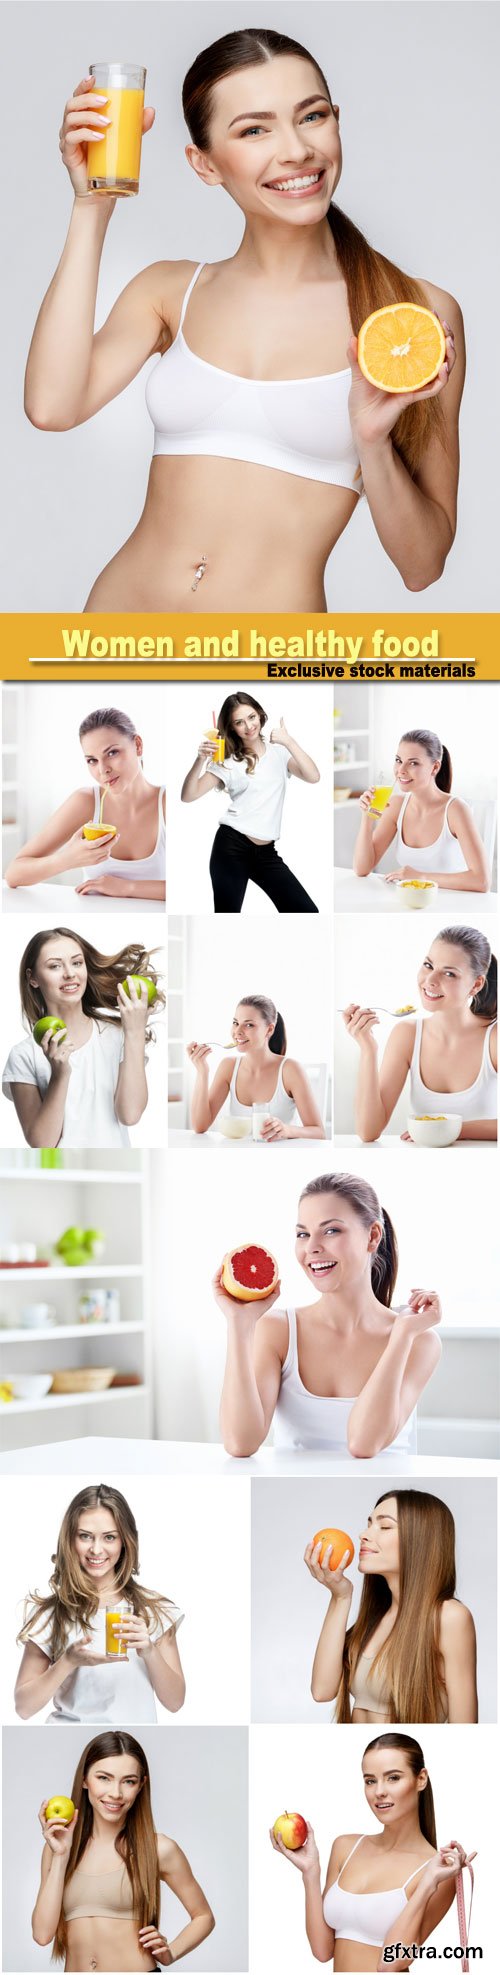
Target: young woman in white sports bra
(102, 1873)
(266, 431)
(249, 1077)
(135, 808)
(452, 1059)
(411, 1653)
(254, 775)
(434, 831)
(385, 1889)
(84, 1082)
(343, 1374)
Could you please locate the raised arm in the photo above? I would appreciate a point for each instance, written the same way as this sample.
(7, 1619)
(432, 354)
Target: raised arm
(176, 1873)
(305, 1860)
(42, 1118)
(252, 1375)
(59, 845)
(329, 1655)
(207, 1100)
(57, 1846)
(196, 783)
(404, 1368)
(377, 1090)
(431, 1897)
(300, 763)
(415, 518)
(374, 837)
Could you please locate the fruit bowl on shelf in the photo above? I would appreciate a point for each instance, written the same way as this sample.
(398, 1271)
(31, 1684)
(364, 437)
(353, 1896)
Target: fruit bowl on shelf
(342, 795)
(83, 1378)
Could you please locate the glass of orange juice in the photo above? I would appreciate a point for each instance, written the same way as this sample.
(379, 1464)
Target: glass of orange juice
(380, 798)
(218, 742)
(116, 1648)
(113, 163)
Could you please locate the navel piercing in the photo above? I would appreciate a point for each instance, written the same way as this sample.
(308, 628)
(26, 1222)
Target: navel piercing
(199, 572)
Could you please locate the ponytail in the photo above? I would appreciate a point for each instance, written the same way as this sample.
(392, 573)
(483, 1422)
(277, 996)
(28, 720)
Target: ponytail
(424, 737)
(385, 1263)
(481, 961)
(266, 1008)
(444, 773)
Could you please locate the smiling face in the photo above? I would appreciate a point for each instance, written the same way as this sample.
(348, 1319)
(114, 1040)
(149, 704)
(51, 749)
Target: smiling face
(98, 1544)
(245, 722)
(113, 759)
(274, 141)
(413, 768)
(60, 974)
(333, 1246)
(379, 1544)
(391, 1789)
(446, 980)
(113, 1786)
(249, 1028)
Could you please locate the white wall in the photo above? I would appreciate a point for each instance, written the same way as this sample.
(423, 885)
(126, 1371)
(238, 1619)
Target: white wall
(108, 936)
(221, 968)
(51, 762)
(306, 842)
(382, 971)
(198, 1217)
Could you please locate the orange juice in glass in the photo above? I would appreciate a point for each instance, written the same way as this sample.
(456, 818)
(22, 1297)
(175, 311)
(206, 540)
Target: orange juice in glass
(380, 798)
(218, 743)
(113, 163)
(116, 1648)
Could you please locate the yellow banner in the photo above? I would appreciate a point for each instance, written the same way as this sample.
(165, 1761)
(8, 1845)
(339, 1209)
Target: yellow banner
(321, 647)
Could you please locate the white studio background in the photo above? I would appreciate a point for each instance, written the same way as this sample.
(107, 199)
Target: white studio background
(194, 1547)
(108, 936)
(292, 1767)
(289, 1607)
(220, 969)
(75, 497)
(51, 763)
(190, 1334)
(199, 1784)
(384, 972)
(306, 842)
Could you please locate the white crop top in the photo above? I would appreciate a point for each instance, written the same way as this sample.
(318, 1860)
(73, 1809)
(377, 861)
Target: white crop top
(479, 1101)
(307, 1419)
(256, 805)
(299, 425)
(442, 855)
(280, 1104)
(133, 867)
(364, 1917)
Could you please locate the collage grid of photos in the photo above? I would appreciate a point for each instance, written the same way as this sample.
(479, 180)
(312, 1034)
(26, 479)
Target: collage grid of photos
(249, 1407)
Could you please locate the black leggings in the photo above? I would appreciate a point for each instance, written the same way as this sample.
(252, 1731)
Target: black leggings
(235, 859)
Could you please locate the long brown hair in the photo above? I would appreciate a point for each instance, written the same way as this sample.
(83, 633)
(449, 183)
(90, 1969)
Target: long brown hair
(136, 1843)
(410, 1748)
(371, 279)
(362, 1197)
(235, 746)
(104, 971)
(74, 1598)
(409, 1658)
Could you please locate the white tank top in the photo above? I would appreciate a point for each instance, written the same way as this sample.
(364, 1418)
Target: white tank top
(364, 1917)
(298, 425)
(307, 1419)
(256, 805)
(479, 1101)
(442, 855)
(280, 1104)
(89, 1110)
(133, 867)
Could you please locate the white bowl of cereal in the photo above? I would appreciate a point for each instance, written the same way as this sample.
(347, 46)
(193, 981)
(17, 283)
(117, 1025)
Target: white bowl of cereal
(415, 893)
(435, 1128)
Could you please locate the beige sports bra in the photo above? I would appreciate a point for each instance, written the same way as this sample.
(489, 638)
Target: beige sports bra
(98, 1895)
(368, 1689)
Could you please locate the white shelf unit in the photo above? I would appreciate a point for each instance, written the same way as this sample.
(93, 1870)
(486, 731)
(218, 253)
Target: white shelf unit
(176, 1025)
(356, 703)
(37, 1206)
(13, 810)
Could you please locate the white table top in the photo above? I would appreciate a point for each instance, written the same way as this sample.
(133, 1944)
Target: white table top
(393, 1138)
(214, 1139)
(51, 898)
(87, 1456)
(372, 894)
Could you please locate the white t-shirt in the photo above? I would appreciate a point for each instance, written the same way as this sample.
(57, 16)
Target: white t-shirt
(119, 1692)
(256, 805)
(89, 1112)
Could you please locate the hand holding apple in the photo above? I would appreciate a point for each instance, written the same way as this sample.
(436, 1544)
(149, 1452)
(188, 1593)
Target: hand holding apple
(133, 1002)
(57, 1816)
(294, 1838)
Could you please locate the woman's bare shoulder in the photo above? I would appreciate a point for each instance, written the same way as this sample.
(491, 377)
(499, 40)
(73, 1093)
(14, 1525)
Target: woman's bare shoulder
(456, 1624)
(444, 304)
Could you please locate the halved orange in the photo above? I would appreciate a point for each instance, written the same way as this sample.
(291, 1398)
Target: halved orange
(401, 348)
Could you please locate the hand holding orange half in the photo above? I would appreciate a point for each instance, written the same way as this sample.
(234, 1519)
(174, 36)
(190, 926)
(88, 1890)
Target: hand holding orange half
(402, 355)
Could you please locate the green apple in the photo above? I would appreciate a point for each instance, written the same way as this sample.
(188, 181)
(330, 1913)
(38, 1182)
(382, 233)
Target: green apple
(47, 1023)
(91, 1238)
(61, 1808)
(71, 1238)
(74, 1258)
(141, 980)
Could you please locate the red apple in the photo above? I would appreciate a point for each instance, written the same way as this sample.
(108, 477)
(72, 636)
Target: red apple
(292, 1829)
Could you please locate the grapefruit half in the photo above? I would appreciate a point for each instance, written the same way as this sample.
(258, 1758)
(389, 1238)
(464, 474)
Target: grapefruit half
(250, 1273)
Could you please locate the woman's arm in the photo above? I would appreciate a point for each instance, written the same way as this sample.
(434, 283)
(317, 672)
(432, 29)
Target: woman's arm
(300, 764)
(377, 1090)
(306, 1860)
(196, 783)
(394, 1386)
(457, 1643)
(427, 1905)
(415, 518)
(476, 877)
(329, 1655)
(131, 1092)
(46, 1914)
(59, 845)
(297, 1086)
(371, 842)
(252, 1375)
(42, 1118)
(40, 1678)
(207, 1102)
(161, 1659)
(111, 887)
(176, 1872)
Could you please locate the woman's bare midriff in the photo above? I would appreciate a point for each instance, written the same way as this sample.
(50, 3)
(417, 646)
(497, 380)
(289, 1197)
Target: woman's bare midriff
(266, 536)
(363, 1714)
(105, 1945)
(354, 1958)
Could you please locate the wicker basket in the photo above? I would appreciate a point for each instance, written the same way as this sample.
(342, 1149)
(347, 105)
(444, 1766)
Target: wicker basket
(85, 1378)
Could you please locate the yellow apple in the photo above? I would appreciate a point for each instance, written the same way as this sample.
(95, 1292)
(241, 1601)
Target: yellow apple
(60, 1808)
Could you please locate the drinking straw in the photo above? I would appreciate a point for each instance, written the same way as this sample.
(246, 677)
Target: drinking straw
(214, 722)
(102, 802)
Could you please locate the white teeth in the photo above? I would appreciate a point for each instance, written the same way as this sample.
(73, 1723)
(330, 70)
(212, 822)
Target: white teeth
(295, 184)
(319, 1268)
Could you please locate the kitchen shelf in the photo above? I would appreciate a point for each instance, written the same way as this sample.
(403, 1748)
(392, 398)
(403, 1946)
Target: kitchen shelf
(58, 1175)
(349, 733)
(56, 1400)
(87, 1272)
(350, 764)
(26, 1331)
